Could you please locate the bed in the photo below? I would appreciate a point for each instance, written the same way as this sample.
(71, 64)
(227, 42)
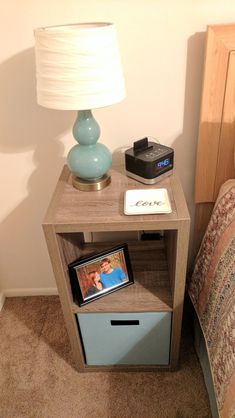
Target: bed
(212, 291)
(212, 285)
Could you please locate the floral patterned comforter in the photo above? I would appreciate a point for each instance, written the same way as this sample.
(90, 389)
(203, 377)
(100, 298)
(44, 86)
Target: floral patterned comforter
(212, 291)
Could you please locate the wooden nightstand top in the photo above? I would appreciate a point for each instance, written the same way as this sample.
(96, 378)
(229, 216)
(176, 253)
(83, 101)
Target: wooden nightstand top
(72, 210)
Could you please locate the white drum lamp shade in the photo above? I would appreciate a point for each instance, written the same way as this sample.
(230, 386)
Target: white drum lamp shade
(78, 67)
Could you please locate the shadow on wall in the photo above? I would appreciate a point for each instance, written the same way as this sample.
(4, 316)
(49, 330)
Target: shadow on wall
(185, 146)
(26, 127)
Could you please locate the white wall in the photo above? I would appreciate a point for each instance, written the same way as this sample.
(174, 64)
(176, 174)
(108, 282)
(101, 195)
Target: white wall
(162, 47)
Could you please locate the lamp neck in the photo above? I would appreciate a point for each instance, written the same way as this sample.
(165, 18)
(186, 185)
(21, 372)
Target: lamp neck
(84, 114)
(86, 130)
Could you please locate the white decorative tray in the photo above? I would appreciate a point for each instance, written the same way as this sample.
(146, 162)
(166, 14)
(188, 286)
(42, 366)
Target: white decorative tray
(146, 201)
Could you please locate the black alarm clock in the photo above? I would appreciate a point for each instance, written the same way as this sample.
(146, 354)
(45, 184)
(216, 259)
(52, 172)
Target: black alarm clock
(149, 162)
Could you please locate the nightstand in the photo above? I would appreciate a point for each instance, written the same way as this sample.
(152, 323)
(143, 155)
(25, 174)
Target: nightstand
(152, 306)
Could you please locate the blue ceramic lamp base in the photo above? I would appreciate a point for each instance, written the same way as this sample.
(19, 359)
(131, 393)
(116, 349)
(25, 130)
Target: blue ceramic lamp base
(88, 160)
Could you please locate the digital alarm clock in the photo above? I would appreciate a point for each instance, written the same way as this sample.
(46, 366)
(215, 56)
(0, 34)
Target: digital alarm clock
(149, 162)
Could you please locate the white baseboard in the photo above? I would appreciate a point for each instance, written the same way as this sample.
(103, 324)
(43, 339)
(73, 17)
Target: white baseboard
(2, 300)
(47, 291)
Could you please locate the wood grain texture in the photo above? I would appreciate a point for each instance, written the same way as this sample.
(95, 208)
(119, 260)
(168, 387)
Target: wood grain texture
(214, 82)
(180, 261)
(170, 242)
(84, 211)
(151, 290)
(225, 162)
(159, 274)
(202, 216)
(64, 294)
(216, 141)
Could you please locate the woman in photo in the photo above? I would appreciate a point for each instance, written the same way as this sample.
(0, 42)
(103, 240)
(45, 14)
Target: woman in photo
(96, 284)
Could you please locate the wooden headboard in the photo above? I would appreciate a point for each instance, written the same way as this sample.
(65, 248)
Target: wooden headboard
(216, 142)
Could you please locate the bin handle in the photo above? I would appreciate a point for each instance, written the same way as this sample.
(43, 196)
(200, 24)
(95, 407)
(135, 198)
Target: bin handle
(121, 322)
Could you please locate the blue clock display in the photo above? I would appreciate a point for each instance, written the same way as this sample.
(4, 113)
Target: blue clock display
(163, 163)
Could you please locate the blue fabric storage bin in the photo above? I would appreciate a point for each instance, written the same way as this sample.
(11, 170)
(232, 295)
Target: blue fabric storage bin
(126, 338)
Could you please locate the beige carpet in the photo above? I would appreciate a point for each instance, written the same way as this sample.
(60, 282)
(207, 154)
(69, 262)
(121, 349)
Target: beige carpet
(38, 380)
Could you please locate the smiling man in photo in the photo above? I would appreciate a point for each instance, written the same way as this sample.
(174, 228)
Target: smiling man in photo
(110, 276)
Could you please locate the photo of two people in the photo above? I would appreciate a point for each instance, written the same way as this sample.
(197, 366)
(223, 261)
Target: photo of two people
(105, 276)
(101, 274)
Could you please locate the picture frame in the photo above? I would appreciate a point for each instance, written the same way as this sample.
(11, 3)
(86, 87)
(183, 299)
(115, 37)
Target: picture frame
(100, 274)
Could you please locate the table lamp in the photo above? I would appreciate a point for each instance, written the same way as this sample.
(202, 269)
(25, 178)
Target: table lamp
(78, 67)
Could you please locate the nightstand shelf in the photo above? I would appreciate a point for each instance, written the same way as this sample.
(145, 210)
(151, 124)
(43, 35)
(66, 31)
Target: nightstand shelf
(151, 291)
(159, 268)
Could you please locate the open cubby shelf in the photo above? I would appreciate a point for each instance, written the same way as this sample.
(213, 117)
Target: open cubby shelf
(151, 289)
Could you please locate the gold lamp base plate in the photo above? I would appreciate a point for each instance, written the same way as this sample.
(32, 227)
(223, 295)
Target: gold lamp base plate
(91, 186)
